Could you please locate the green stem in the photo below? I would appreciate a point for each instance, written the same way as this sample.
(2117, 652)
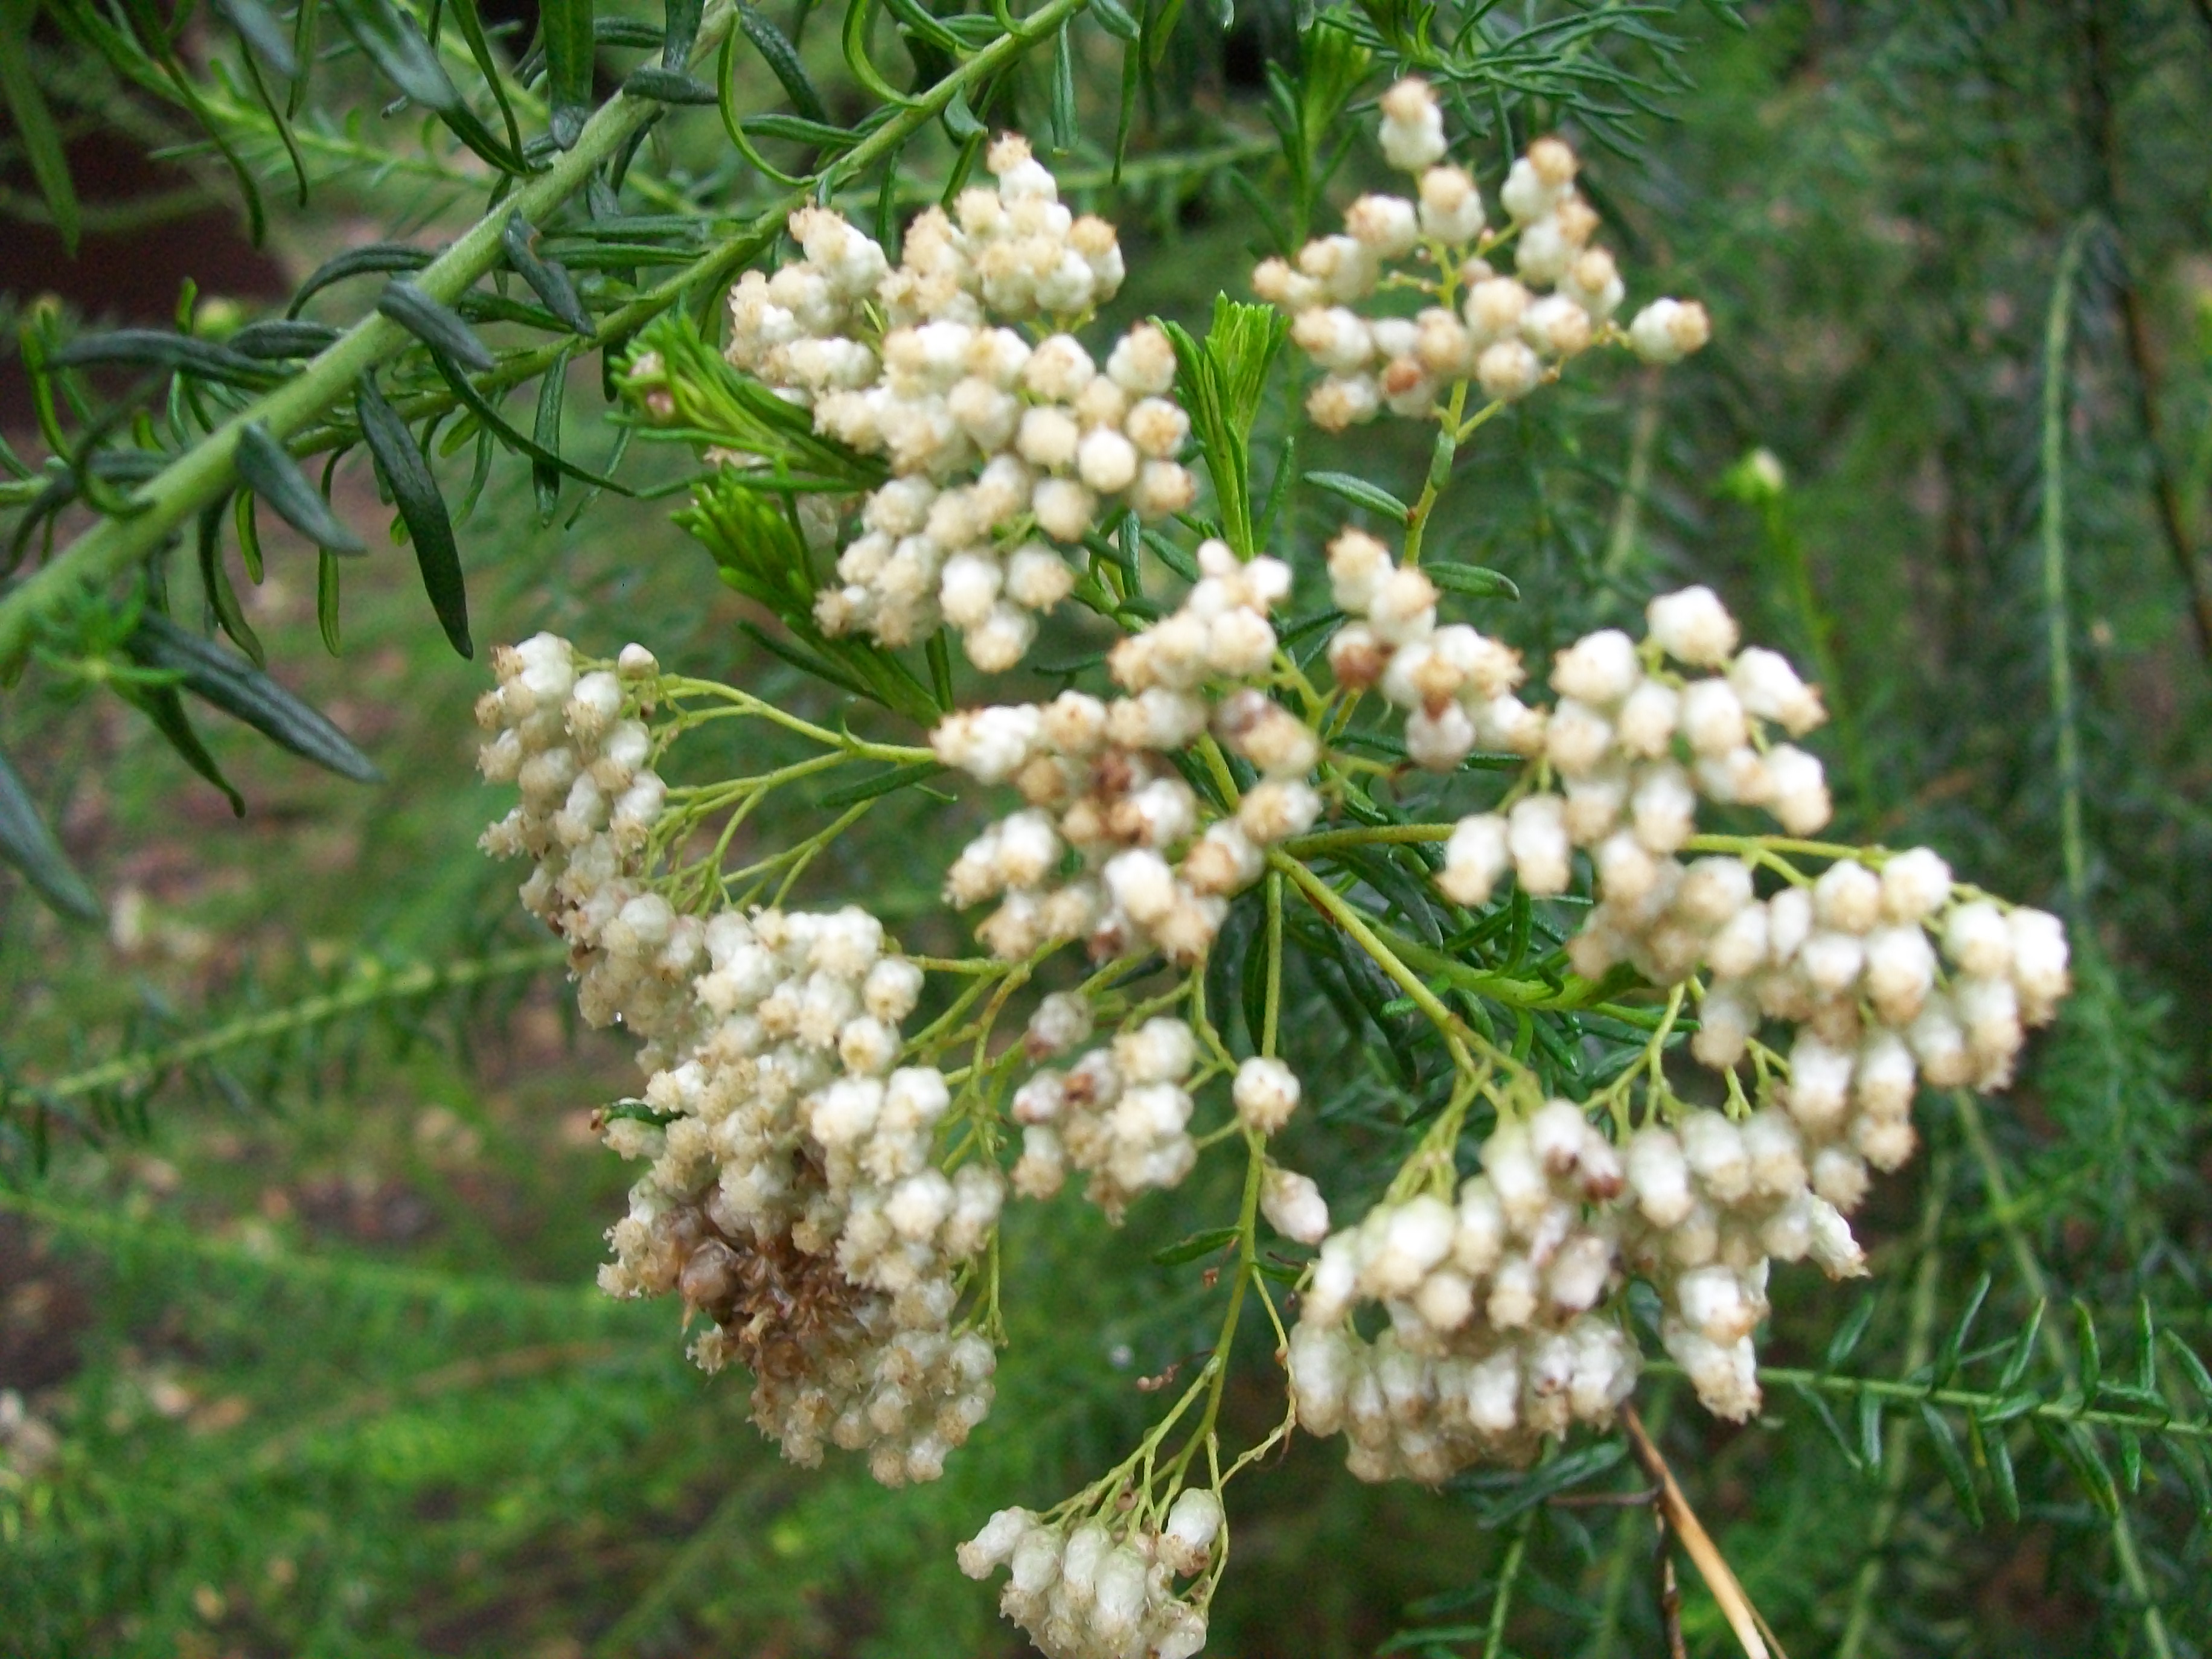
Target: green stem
(2056, 327)
(1509, 1577)
(373, 985)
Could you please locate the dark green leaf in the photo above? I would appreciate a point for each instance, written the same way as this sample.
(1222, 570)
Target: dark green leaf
(2077, 1448)
(470, 23)
(158, 349)
(282, 339)
(1820, 1409)
(782, 59)
(389, 39)
(1360, 493)
(1846, 1339)
(257, 27)
(680, 31)
(1062, 112)
(268, 471)
(1473, 580)
(481, 407)
(2199, 1378)
(545, 481)
(666, 85)
(438, 326)
(407, 475)
(1206, 1241)
(161, 705)
(2023, 1350)
(34, 122)
(1947, 1357)
(2092, 1356)
(548, 278)
(1870, 1431)
(222, 598)
(27, 843)
(377, 257)
(326, 602)
(565, 27)
(231, 682)
(1997, 1456)
(882, 783)
(1539, 1485)
(1945, 1442)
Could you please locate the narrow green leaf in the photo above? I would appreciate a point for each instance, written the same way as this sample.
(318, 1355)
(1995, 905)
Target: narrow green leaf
(2146, 1348)
(2200, 1378)
(2077, 1448)
(470, 23)
(481, 407)
(1360, 493)
(666, 85)
(1113, 17)
(1476, 581)
(230, 682)
(159, 348)
(2023, 1350)
(282, 340)
(249, 537)
(545, 481)
(1947, 1357)
(783, 62)
(215, 581)
(898, 777)
(326, 602)
(27, 843)
(1848, 1334)
(2091, 1356)
(1941, 1436)
(406, 474)
(34, 122)
(548, 278)
(1870, 1430)
(2132, 1460)
(680, 31)
(257, 27)
(1062, 113)
(565, 26)
(268, 469)
(1821, 1409)
(375, 258)
(161, 705)
(389, 39)
(438, 326)
(1206, 1241)
(1989, 1442)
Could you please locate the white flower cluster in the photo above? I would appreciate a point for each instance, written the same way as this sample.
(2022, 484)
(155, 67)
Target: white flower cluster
(1121, 1115)
(1082, 1590)
(792, 1196)
(1456, 684)
(1715, 1202)
(994, 445)
(1507, 333)
(1495, 1338)
(1098, 781)
(1635, 747)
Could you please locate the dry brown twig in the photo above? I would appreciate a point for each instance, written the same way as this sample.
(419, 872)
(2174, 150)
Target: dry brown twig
(1751, 1631)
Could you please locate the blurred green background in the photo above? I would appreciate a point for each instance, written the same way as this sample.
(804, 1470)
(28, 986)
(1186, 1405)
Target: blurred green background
(298, 1343)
